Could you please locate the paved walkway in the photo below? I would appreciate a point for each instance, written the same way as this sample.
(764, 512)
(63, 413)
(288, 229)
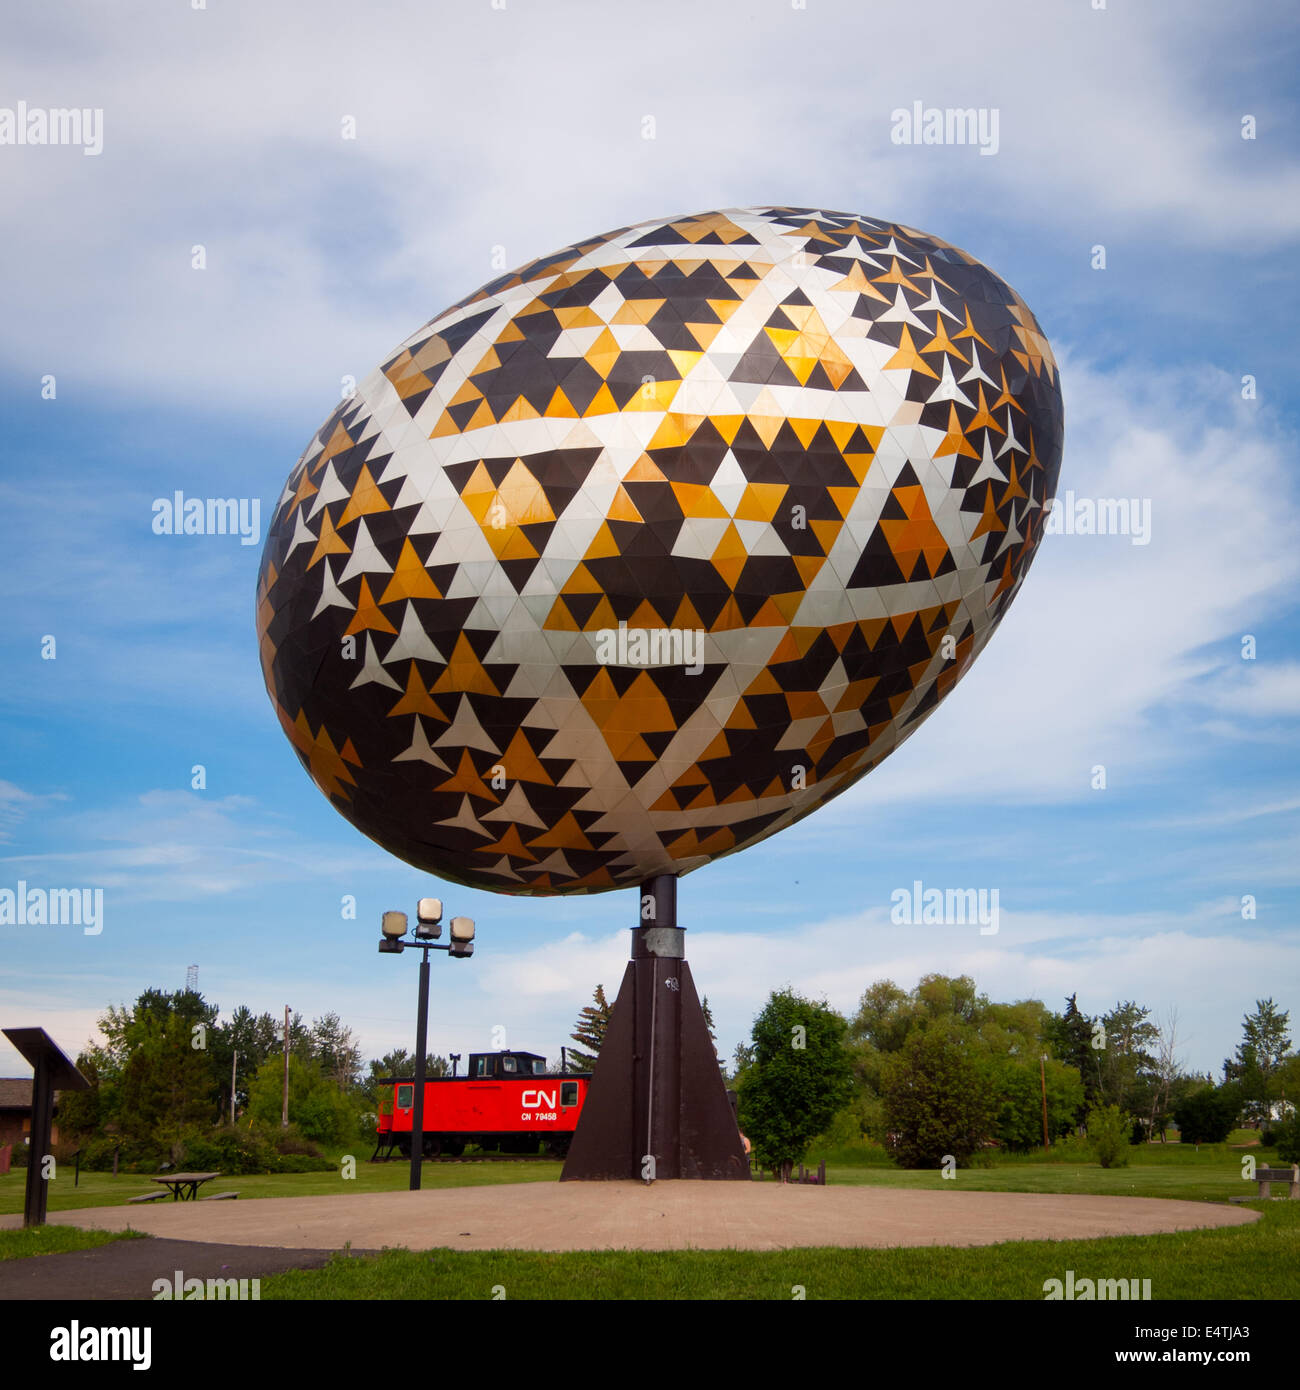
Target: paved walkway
(664, 1216)
(128, 1269)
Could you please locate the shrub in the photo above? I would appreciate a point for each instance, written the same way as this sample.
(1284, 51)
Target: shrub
(1108, 1134)
(133, 1155)
(1071, 1148)
(293, 1141)
(248, 1149)
(1267, 1138)
(1206, 1116)
(1288, 1139)
(938, 1101)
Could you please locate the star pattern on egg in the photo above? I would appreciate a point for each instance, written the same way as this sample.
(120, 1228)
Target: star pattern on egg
(649, 548)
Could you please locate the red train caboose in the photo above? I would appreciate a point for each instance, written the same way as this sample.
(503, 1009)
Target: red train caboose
(508, 1102)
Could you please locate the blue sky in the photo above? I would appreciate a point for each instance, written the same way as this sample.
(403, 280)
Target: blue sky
(522, 128)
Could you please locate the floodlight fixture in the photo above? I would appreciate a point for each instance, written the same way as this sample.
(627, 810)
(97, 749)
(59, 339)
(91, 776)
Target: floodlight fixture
(428, 928)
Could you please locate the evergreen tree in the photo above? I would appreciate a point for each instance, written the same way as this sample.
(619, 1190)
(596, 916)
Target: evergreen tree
(1069, 1036)
(168, 1081)
(593, 1022)
(938, 1100)
(1257, 1066)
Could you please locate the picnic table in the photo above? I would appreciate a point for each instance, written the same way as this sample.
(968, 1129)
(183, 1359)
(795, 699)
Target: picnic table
(185, 1186)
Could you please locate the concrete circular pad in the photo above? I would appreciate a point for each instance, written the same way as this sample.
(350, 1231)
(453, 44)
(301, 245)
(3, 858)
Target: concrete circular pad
(664, 1216)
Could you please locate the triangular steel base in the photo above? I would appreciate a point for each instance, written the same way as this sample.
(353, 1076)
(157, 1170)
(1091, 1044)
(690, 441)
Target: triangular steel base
(657, 1105)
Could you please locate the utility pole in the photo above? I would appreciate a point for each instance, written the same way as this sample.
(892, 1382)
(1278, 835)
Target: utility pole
(1042, 1073)
(284, 1109)
(234, 1058)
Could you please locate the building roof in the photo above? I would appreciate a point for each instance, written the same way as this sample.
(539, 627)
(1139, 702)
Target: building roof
(15, 1093)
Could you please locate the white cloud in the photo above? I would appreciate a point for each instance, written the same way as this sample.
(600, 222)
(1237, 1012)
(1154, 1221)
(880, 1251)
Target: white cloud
(16, 805)
(223, 128)
(1159, 958)
(178, 846)
(1107, 637)
(1255, 689)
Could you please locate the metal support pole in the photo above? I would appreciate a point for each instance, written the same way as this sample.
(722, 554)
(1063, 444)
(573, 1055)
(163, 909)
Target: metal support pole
(657, 1107)
(38, 1147)
(421, 1031)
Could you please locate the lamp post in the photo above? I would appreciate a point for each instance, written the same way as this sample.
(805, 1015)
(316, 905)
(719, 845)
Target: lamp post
(428, 929)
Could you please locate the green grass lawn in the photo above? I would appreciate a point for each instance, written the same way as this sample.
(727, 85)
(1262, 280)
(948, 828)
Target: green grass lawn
(1222, 1264)
(104, 1190)
(1218, 1264)
(1207, 1182)
(1156, 1170)
(52, 1240)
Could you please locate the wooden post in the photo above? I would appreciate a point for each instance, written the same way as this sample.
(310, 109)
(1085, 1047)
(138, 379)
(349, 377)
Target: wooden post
(284, 1109)
(1042, 1072)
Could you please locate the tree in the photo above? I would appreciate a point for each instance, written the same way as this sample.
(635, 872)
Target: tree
(321, 1111)
(593, 1022)
(742, 1062)
(1207, 1116)
(1165, 1074)
(337, 1050)
(1069, 1035)
(396, 1064)
(1108, 1133)
(1260, 1054)
(801, 1075)
(80, 1111)
(1018, 1085)
(1123, 1065)
(247, 1041)
(938, 1100)
(161, 1064)
(1004, 1040)
(1288, 1138)
(884, 1017)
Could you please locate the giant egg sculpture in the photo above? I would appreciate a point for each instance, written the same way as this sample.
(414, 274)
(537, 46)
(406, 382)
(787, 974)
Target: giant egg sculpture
(649, 548)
